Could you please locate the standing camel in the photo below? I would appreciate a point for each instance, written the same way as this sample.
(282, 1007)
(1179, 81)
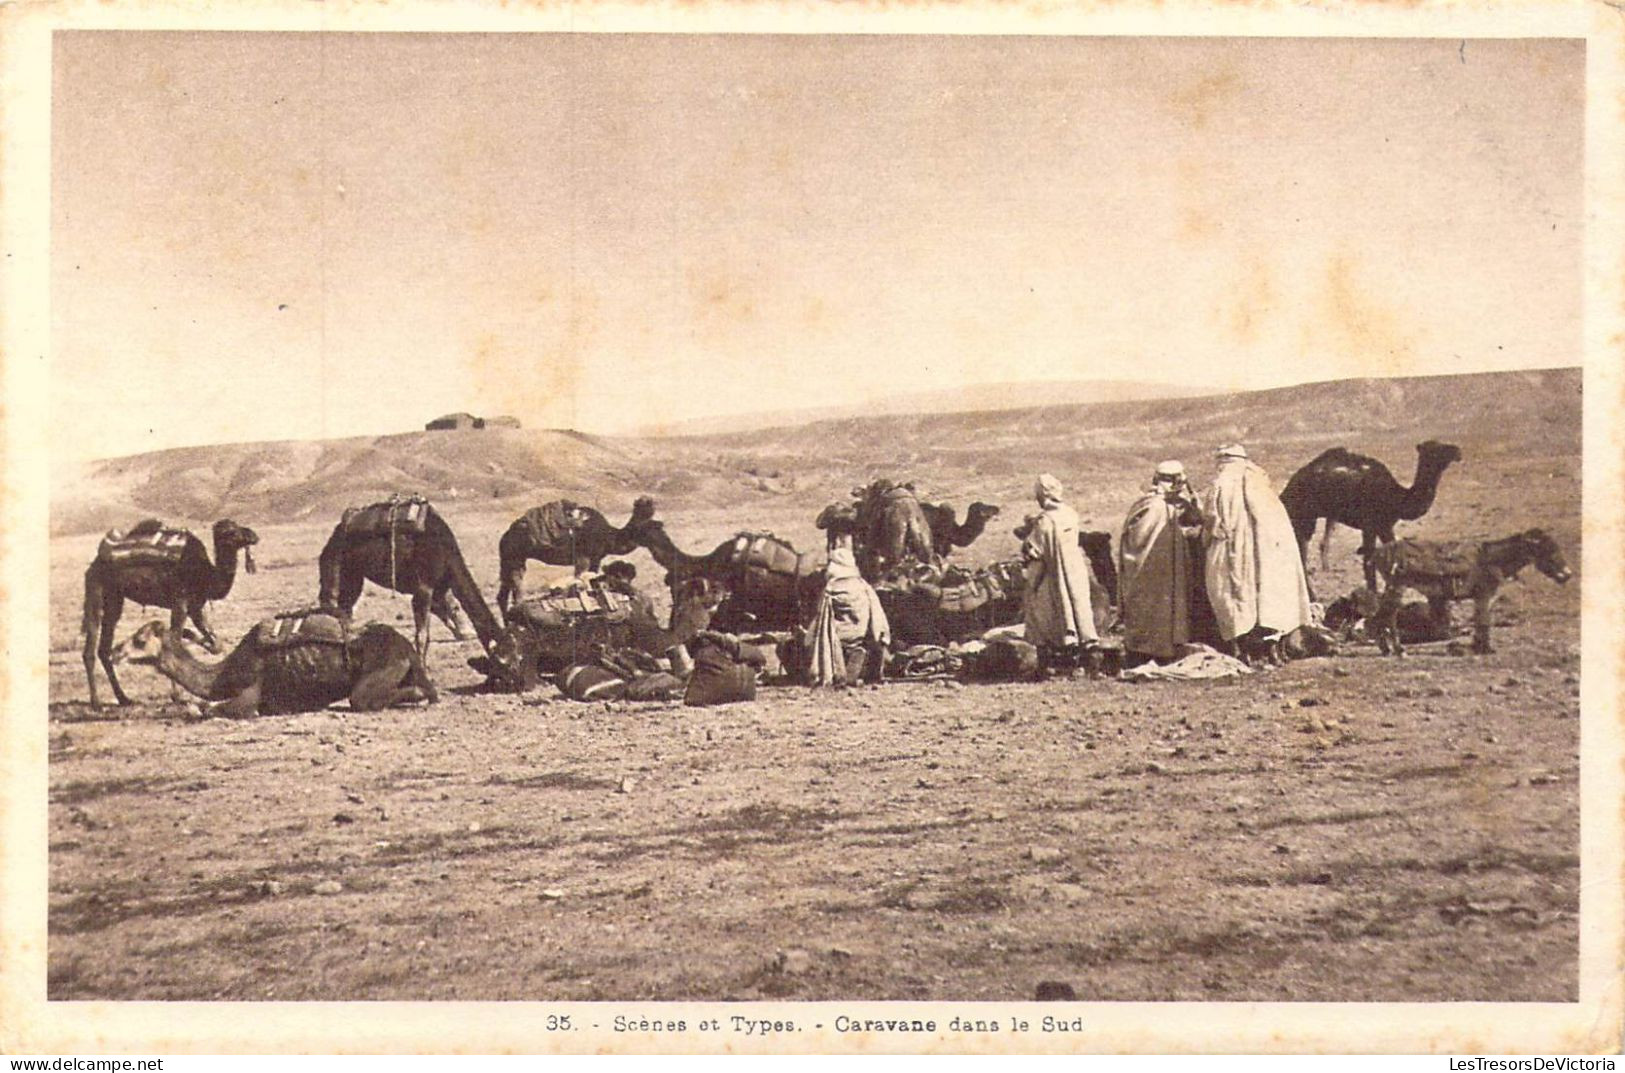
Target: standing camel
(1350, 489)
(419, 559)
(184, 580)
(562, 533)
(947, 534)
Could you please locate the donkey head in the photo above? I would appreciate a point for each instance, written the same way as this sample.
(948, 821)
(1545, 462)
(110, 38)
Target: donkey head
(1547, 555)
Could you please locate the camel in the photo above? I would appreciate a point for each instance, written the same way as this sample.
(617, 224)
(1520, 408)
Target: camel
(1350, 489)
(1456, 570)
(947, 534)
(420, 559)
(892, 526)
(561, 533)
(938, 610)
(543, 637)
(770, 585)
(299, 664)
(184, 581)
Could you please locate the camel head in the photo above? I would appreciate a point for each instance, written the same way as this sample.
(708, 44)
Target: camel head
(512, 665)
(1432, 452)
(643, 510)
(1548, 557)
(982, 511)
(694, 602)
(229, 536)
(142, 646)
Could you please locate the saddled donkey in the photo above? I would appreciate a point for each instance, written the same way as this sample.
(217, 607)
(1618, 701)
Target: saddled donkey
(1444, 571)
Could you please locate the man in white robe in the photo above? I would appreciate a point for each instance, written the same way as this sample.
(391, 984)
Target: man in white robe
(1156, 566)
(1059, 619)
(850, 634)
(1254, 574)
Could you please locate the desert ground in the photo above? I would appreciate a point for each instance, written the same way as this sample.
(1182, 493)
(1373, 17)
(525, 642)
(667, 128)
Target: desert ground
(1351, 828)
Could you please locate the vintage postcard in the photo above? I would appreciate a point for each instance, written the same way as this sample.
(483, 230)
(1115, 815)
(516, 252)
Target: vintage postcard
(790, 528)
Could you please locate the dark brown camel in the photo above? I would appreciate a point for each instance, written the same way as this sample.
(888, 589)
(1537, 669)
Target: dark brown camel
(184, 583)
(562, 533)
(423, 563)
(770, 585)
(1353, 490)
(374, 668)
(1457, 570)
(540, 640)
(892, 526)
(947, 534)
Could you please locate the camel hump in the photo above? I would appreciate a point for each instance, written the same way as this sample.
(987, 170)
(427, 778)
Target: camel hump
(768, 552)
(553, 524)
(303, 627)
(398, 513)
(146, 541)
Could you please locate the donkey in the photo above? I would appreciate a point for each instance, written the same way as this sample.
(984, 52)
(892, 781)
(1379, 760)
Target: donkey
(1457, 570)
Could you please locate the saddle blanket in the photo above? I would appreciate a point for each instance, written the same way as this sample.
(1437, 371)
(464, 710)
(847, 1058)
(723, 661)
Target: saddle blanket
(145, 541)
(773, 554)
(1452, 563)
(565, 604)
(554, 523)
(301, 628)
(400, 514)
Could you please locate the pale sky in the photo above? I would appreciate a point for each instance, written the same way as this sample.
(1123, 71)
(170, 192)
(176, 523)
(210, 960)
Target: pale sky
(283, 236)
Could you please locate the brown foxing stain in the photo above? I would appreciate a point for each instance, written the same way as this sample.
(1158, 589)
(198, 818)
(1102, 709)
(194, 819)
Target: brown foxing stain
(1355, 322)
(1196, 102)
(540, 379)
(721, 300)
(1253, 303)
(1199, 222)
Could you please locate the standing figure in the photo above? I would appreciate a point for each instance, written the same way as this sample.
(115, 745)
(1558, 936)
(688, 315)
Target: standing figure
(1057, 611)
(850, 633)
(1255, 578)
(1157, 567)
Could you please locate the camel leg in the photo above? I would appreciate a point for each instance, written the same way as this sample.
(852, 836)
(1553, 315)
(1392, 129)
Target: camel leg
(448, 613)
(1326, 546)
(242, 706)
(1439, 617)
(104, 650)
(200, 617)
(1481, 624)
(1383, 622)
(511, 590)
(1368, 544)
(379, 686)
(421, 599)
(93, 631)
(348, 595)
(330, 573)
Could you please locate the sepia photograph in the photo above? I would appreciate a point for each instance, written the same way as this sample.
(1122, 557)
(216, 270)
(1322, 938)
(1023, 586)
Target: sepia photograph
(837, 535)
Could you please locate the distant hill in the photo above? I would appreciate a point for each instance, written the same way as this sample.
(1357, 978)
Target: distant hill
(1102, 450)
(973, 398)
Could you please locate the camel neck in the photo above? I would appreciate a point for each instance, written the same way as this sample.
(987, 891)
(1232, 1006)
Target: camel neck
(186, 670)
